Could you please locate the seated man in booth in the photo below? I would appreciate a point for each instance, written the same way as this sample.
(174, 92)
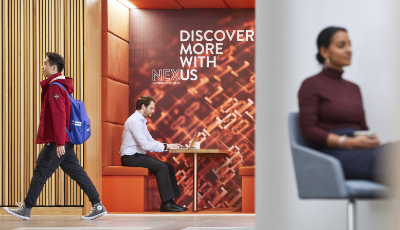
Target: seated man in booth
(136, 141)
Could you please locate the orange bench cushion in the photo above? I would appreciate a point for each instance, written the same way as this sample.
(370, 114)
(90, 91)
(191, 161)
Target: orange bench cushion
(246, 171)
(125, 171)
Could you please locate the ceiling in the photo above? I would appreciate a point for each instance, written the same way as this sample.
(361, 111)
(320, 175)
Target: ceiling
(193, 4)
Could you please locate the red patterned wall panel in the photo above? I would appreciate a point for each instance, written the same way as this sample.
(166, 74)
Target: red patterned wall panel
(217, 101)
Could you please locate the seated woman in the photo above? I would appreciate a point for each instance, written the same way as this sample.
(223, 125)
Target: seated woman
(331, 109)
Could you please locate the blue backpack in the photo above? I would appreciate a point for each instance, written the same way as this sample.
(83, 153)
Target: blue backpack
(80, 128)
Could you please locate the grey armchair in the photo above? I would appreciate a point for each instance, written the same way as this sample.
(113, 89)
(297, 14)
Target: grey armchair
(320, 176)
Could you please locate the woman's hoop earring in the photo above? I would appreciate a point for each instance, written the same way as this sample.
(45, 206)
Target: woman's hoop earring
(327, 60)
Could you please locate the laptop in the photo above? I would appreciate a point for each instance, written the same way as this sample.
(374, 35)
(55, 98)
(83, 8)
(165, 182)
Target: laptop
(191, 142)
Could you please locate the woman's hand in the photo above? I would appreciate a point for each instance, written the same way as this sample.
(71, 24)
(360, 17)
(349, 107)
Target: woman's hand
(361, 142)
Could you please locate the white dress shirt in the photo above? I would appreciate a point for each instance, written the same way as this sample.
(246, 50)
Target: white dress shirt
(136, 137)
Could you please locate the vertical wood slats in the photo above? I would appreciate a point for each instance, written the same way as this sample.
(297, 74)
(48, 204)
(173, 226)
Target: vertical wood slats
(1, 101)
(29, 29)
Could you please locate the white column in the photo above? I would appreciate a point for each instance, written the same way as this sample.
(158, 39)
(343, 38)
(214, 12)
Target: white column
(286, 33)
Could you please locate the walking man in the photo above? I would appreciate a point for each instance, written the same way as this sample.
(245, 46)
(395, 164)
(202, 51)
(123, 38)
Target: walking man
(57, 151)
(136, 141)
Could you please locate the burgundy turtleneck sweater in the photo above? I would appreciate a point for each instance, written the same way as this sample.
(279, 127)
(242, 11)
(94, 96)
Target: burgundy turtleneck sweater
(327, 102)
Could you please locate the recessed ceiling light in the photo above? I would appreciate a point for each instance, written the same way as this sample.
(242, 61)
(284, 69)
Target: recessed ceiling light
(127, 4)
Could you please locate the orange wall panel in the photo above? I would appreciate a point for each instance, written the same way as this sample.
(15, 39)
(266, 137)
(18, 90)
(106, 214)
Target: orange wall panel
(111, 143)
(106, 159)
(116, 19)
(115, 58)
(114, 101)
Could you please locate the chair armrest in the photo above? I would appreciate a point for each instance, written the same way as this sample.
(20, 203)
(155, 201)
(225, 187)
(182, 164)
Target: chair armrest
(318, 175)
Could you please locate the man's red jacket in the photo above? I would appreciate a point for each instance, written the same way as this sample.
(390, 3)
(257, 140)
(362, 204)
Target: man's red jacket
(55, 112)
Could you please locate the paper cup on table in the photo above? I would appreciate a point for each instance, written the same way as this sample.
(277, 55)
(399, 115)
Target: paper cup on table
(197, 145)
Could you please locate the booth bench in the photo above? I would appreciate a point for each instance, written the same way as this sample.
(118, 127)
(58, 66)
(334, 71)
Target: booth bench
(125, 189)
(248, 194)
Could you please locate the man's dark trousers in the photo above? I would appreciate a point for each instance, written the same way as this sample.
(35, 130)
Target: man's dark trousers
(165, 173)
(46, 165)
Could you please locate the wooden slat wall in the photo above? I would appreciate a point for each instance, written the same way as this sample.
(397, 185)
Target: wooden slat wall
(29, 29)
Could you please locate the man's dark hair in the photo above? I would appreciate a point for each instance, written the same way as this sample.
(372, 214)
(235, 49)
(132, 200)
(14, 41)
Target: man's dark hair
(144, 100)
(56, 59)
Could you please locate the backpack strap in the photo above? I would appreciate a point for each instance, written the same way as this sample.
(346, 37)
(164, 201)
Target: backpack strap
(69, 95)
(59, 84)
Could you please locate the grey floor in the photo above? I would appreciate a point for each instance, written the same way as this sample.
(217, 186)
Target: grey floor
(134, 222)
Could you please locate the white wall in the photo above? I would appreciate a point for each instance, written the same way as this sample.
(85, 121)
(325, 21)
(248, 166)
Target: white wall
(285, 56)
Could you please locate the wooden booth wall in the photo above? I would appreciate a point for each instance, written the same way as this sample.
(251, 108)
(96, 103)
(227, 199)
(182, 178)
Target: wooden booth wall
(29, 29)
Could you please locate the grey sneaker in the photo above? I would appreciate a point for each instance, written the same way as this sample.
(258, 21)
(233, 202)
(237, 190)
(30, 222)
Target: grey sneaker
(97, 211)
(22, 212)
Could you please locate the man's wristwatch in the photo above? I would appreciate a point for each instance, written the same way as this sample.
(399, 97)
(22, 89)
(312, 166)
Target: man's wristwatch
(165, 147)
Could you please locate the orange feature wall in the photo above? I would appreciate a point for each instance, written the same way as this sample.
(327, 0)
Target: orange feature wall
(119, 182)
(115, 75)
(115, 89)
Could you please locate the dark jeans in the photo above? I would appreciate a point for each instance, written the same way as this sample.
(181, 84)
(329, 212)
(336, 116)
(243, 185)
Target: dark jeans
(165, 173)
(365, 164)
(46, 165)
